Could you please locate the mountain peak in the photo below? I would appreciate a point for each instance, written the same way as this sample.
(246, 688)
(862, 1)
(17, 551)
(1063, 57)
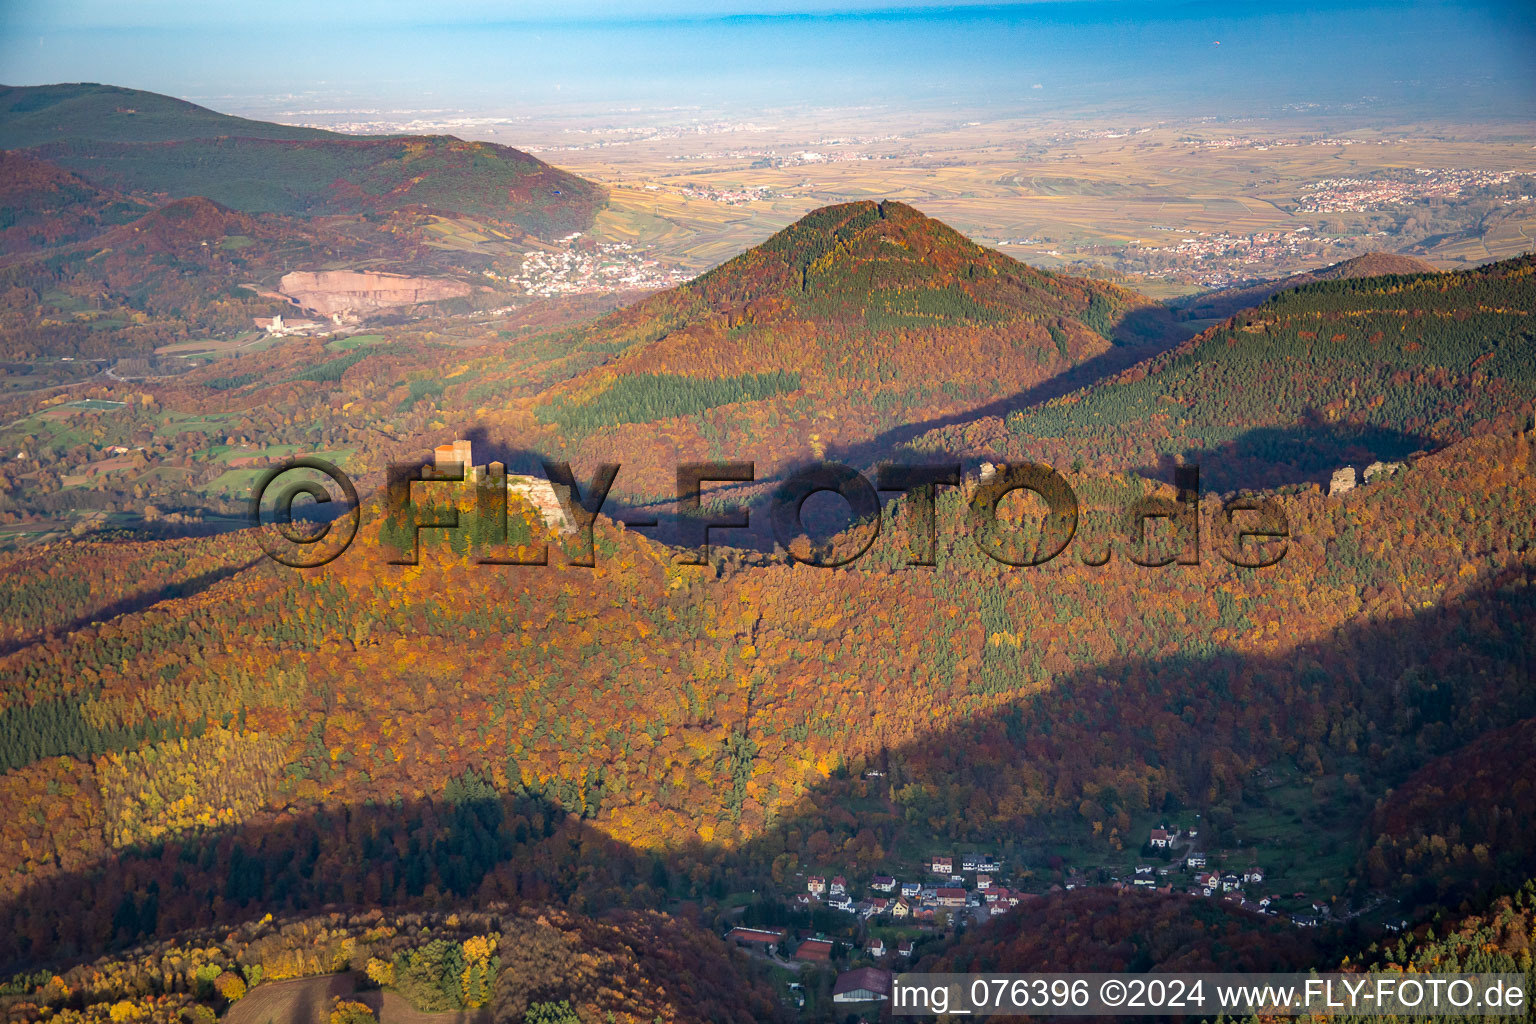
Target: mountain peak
(883, 262)
(182, 228)
(863, 230)
(186, 222)
(151, 146)
(1374, 264)
(854, 319)
(79, 112)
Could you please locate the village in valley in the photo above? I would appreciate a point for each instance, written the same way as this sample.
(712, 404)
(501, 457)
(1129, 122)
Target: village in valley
(850, 934)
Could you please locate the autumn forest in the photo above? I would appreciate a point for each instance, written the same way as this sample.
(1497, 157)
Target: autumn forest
(449, 788)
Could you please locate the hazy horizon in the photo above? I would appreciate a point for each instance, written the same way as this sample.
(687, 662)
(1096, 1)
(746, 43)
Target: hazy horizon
(1420, 61)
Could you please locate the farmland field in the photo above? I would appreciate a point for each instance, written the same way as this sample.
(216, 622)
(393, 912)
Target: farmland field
(1053, 194)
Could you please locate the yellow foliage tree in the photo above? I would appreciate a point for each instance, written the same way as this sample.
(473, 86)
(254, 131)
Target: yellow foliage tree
(347, 1011)
(381, 972)
(230, 986)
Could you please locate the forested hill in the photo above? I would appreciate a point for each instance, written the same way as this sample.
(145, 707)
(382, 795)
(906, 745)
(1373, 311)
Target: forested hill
(857, 320)
(86, 112)
(45, 205)
(211, 738)
(156, 146)
(1332, 374)
(724, 719)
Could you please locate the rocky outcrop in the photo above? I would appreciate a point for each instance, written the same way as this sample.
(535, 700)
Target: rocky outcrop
(1381, 470)
(1343, 480)
(540, 493)
(329, 292)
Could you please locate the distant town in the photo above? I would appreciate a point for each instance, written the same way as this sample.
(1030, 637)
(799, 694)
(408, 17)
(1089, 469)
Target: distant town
(1219, 259)
(1358, 195)
(573, 269)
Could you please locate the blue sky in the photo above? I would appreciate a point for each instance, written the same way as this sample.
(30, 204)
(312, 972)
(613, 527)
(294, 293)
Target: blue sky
(165, 13)
(1392, 60)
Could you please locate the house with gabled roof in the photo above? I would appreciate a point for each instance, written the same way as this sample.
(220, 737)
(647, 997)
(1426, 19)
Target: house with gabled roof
(950, 897)
(862, 985)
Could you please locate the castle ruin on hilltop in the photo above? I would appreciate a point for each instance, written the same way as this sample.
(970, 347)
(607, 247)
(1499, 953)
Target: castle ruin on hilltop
(535, 490)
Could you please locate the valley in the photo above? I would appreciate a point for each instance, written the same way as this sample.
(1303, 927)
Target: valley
(445, 777)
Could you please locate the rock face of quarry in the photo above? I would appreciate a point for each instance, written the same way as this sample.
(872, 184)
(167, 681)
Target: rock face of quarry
(329, 292)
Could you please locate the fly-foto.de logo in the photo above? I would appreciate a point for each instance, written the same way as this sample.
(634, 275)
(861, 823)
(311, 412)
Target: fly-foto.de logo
(419, 500)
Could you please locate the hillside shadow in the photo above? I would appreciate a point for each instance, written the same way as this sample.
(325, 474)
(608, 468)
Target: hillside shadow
(132, 603)
(1221, 303)
(1149, 325)
(1307, 452)
(299, 1000)
(1142, 334)
(1191, 716)
(516, 459)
